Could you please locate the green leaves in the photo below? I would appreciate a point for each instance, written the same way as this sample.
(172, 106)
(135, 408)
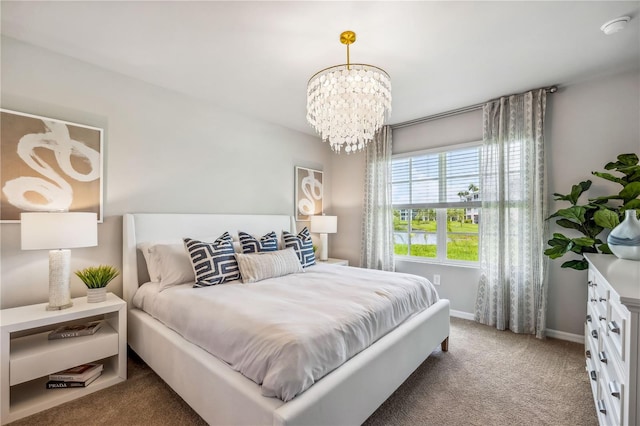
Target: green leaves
(606, 218)
(97, 276)
(598, 214)
(576, 191)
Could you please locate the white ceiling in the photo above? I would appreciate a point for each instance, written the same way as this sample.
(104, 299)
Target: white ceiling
(255, 57)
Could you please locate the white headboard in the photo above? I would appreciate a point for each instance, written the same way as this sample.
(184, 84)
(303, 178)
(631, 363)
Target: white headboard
(148, 227)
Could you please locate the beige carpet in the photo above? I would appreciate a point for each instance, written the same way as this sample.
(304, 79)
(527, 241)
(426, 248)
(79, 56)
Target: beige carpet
(487, 378)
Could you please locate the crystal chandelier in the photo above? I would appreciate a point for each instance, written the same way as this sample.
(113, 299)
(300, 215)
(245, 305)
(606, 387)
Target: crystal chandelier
(347, 103)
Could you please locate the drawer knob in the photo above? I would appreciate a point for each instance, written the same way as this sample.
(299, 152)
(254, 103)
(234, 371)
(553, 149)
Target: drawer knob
(614, 389)
(614, 327)
(588, 354)
(601, 407)
(594, 333)
(603, 357)
(603, 299)
(588, 318)
(593, 299)
(593, 375)
(602, 318)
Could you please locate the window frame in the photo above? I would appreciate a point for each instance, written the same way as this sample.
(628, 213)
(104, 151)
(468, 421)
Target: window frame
(440, 207)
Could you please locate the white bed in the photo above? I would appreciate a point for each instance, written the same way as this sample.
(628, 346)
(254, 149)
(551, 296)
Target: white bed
(346, 396)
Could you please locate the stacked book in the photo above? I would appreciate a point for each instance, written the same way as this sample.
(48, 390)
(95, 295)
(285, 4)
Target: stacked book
(75, 377)
(75, 330)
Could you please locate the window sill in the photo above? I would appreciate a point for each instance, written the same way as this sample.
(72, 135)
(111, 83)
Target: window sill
(457, 264)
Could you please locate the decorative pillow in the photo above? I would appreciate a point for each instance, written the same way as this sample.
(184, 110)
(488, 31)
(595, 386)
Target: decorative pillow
(303, 246)
(172, 263)
(250, 244)
(260, 266)
(213, 263)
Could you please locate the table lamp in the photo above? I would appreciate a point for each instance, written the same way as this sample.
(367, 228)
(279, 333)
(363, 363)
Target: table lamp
(58, 231)
(324, 225)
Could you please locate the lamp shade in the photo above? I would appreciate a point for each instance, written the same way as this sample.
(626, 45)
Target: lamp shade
(324, 224)
(57, 230)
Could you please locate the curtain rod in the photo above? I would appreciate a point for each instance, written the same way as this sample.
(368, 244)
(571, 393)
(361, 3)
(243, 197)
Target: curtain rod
(550, 89)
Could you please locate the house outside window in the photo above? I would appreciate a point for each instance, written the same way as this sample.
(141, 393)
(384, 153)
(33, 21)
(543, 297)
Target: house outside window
(436, 202)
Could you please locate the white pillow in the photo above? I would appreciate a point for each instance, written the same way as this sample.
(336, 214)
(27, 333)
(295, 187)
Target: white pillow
(173, 264)
(260, 266)
(153, 266)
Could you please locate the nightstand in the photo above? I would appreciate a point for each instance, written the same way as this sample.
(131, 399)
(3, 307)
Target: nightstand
(27, 357)
(332, 261)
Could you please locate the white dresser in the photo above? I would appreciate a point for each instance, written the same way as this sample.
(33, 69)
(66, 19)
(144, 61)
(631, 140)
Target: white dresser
(612, 338)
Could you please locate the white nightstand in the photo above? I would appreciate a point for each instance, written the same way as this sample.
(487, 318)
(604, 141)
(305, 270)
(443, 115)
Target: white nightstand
(332, 261)
(27, 357)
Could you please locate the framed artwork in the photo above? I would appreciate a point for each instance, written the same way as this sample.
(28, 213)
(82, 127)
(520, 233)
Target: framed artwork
(48, 165)
(308, 196)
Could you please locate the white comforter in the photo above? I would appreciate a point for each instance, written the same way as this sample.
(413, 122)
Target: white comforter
(285, 333)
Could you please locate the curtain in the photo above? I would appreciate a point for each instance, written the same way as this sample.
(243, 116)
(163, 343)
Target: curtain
(377, 221)
(512, 292)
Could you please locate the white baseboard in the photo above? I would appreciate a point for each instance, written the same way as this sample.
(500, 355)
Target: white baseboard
(554, 334)
(563, 335)
(461, 314)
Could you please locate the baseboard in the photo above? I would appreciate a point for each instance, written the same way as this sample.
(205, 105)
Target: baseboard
(563, 335)
(461, 314)
(554, 334)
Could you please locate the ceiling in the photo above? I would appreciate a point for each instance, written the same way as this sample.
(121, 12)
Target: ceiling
(255, 58)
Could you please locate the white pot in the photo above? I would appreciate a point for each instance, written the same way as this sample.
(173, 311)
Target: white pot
(96, 295)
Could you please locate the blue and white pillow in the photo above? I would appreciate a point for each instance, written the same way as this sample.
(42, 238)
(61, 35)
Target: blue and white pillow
(250, 244)
(302, 244)
(213, 263)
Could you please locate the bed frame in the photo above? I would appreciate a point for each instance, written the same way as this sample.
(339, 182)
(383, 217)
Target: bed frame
(347, 396)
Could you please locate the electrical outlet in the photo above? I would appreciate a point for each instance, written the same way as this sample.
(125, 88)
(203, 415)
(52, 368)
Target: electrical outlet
(436, 279)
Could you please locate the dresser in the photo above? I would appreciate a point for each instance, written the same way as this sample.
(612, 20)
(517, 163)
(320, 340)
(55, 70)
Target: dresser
(612, 338)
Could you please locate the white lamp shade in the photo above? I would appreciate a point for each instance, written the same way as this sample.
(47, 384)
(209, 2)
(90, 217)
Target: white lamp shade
(53, 230)
(324, 224)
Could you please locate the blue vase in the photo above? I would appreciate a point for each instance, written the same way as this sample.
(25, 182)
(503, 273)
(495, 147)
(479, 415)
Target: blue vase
(624, 239)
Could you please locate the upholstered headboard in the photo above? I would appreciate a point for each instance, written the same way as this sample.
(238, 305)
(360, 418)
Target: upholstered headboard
(150, 227)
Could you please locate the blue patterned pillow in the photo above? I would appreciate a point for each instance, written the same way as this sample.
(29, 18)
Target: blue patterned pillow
(213, 263)
(249, 244)
(302, 245)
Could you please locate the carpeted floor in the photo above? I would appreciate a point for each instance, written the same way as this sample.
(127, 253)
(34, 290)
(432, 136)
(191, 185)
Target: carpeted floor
(488, 377)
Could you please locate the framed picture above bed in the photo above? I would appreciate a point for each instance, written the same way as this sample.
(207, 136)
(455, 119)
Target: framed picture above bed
(48, 165)
(308, 195)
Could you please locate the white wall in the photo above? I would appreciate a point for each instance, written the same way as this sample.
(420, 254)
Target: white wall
(588, 124)
(163, 153)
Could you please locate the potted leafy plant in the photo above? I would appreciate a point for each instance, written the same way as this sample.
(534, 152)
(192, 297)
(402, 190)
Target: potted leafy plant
(96, 279)
(600, 213)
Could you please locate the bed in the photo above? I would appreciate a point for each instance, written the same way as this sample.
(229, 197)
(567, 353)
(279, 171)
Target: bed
(222, 396)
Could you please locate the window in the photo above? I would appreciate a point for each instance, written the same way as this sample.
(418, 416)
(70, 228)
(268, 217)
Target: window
(436, 203)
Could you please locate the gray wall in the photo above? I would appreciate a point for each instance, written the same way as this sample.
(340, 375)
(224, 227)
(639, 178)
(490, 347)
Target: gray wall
(163, 153)
(588, 124)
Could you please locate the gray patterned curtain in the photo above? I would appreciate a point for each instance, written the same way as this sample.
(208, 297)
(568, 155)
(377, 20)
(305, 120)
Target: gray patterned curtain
(512, 292)
(377, 221)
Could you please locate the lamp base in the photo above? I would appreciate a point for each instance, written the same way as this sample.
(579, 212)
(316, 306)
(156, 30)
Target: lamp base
(59, 268)
(59, 308)
(324, 247)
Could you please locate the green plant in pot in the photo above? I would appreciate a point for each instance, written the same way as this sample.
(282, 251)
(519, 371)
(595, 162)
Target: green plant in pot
(597, 215)
(96, 279)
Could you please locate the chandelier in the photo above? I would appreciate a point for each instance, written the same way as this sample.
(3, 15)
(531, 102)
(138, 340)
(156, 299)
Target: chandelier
(347, 104)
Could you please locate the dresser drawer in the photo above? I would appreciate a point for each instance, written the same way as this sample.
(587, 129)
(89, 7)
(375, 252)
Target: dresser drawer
(612, 392)
(616, 328)
(599, 297)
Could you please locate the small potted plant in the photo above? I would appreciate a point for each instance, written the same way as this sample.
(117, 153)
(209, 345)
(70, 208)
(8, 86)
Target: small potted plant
(96, 279)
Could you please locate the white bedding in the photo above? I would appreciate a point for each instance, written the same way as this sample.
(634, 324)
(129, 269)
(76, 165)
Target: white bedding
(286, 333)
